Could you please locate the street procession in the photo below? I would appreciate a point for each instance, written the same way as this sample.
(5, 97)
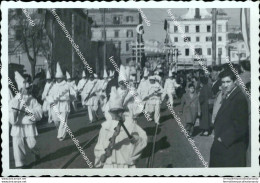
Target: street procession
(129, 88)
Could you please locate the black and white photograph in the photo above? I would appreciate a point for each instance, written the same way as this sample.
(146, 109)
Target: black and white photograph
(95, 87)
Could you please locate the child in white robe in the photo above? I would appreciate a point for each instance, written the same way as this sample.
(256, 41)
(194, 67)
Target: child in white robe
(125, 151)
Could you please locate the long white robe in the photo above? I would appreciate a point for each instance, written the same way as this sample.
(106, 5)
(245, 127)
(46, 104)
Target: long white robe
(23, 126)
(124, 153)
(73, 90)
(170, 89)
(81, 85)
(60, 97)
(143, 88)
(46, 105)
(154, 101)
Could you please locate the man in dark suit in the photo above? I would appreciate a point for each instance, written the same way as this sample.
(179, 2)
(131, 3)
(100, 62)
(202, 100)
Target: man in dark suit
(231, 126)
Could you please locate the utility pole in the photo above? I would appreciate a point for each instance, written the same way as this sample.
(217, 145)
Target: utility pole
(104, 26)
(72, 49)
(214, 43)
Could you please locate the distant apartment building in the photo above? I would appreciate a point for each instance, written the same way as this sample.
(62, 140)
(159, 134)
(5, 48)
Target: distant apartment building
(120, 28)
(196, 24)
(17, 57)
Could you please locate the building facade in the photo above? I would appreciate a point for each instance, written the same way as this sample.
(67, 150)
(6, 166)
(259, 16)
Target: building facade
(196, 26)
(120, 28)
(16, 52)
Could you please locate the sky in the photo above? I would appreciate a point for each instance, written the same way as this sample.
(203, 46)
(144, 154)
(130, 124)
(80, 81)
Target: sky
(157, 16)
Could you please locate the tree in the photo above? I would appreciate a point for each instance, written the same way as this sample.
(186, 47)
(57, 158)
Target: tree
(27, 37)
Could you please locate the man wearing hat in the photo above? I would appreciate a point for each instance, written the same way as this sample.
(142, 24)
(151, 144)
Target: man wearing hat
(169, 88)
(113, 138)
(46, 92)
(90, 98)
(73, 90)
(81, 85)
(60, 98)
(24, 112)
(153, 98)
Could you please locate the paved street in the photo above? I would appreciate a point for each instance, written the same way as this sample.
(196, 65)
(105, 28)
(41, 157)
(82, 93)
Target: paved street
(172, 149)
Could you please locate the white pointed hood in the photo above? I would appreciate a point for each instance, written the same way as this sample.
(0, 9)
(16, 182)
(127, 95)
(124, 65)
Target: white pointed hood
(170, 73)
(83, 74)
(146, 73)
(59, 73)
(105, 74)
(19, 79)
(124, 73)
(68, 75)
(48, 74)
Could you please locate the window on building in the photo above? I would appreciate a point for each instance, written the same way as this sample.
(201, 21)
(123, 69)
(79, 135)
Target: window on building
(208, 38)
(186, 29)
(186, 39)
(175, 29)
(242, 46)
(129, 19)
(219, 51)
(187, 52)
(219, 38)
(129, 33)
(219, 28)
(197, 28)
(116, 33)
(127, 46)
(197, 39)
(208, 28)
(198, 51)
(208, 51)
(102, 18)
(233, 55)
(175, 39)
(116, 20)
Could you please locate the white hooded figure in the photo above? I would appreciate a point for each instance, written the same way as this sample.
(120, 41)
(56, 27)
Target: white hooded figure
(90, 98)
(143, 88)
(102, 91)
(124, 152)
(46, 92)
(60, 99)
(24, 112)
(73, 90)
(81, 85)
(170, 88)
(153, 98)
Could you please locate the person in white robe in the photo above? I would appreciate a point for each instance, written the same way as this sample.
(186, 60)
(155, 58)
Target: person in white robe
(90, 98)
(47, 88)
(170, 88)
(125, 152)
(102, 91)
(81, 85)
(59, 99)
(143, 88)
(153, 98)
(73, 91)
(24, 112)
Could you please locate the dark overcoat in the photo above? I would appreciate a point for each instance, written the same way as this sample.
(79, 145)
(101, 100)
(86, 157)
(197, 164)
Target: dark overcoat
(231, 125)
(205, 95)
